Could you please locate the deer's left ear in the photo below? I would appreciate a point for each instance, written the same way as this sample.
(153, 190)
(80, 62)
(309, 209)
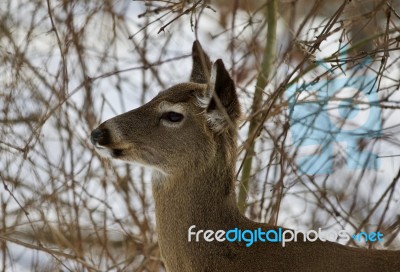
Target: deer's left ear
(224, 108)
(201, 64)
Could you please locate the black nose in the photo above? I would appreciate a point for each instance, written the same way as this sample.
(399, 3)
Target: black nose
(99, 136)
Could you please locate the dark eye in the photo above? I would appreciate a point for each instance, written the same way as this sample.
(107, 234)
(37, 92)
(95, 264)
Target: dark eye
(172, 116)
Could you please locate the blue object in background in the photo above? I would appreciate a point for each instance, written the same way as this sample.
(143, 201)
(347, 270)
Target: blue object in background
(314, 124)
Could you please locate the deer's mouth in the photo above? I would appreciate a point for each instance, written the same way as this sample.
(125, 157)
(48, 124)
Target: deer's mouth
(101, 140)
(117, 152)
(108, 152)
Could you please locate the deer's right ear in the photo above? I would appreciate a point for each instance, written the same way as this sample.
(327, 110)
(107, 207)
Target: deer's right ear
(223, 109)
(201, 64)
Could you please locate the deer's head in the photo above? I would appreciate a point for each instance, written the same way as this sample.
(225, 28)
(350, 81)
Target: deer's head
(188, 125)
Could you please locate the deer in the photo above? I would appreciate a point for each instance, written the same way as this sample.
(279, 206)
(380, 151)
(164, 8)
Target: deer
(187, 136)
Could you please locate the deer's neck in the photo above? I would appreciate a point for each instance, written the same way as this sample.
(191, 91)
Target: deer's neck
(206, 199)
(203, 198)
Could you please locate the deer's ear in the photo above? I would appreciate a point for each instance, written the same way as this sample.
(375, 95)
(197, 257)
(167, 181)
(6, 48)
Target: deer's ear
(201, 64)
(224, 103)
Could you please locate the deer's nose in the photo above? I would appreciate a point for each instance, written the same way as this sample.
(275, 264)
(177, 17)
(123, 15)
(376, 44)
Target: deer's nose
(99, 137)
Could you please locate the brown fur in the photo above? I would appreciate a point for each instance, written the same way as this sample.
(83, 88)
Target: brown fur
(194, 182)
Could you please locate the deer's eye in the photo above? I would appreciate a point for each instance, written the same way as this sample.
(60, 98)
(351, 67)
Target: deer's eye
(172, 116)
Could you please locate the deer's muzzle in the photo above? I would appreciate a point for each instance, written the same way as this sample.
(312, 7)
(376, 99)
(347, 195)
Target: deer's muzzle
(100, 137)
